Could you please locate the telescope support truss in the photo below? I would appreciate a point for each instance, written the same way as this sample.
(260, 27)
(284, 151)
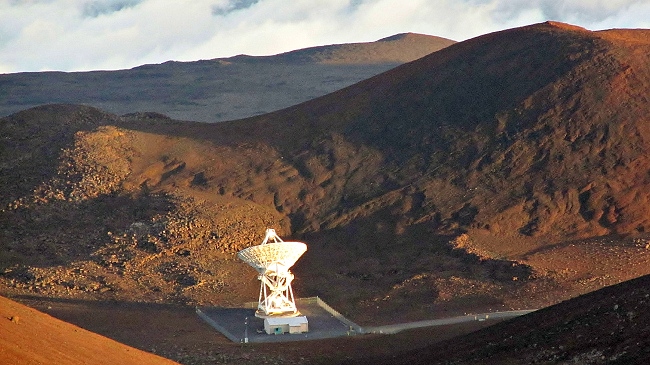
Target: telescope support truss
(276, 294)
(272, 260)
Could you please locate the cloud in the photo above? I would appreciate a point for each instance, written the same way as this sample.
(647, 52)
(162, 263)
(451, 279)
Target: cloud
(580, 11)
(229, 7)
(99, 7)
(69, 35)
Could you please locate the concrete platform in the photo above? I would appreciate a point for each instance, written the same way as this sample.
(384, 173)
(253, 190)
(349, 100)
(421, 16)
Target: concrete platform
(324, 322)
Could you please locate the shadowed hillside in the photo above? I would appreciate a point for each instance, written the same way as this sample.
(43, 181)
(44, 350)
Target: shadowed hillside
(218, 89)
(506, 171)
(609, 326)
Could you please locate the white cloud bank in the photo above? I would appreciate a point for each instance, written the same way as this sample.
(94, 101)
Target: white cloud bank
(74, 35)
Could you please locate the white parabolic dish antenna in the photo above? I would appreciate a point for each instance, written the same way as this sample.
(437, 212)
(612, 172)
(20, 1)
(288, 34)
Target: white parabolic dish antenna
(272, 261)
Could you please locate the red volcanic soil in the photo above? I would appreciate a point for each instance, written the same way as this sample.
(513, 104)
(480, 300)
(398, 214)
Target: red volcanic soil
(31, 337)
(508, 171)
(176, 332)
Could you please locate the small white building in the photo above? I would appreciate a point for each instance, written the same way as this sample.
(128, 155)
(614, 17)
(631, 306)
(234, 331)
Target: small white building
(281, 325)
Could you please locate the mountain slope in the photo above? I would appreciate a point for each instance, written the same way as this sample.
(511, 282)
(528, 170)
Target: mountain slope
(486, 175)
(567, 131)
(32, 337)
(609, 326)
(396, 49)
(218, 89)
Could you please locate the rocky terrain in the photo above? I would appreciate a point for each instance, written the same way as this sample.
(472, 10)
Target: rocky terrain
(218, 89)
(508, 171)
(608, 326)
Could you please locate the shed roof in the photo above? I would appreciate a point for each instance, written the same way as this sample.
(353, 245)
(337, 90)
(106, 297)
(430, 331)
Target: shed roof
(291, 321)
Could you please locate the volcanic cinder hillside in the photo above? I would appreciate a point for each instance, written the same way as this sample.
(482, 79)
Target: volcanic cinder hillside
(218, 89)
(506, 171)
(609, 326)
(31, 337)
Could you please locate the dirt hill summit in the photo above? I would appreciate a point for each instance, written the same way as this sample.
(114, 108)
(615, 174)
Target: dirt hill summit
(396, 49)
(532, 143)
(506, 171)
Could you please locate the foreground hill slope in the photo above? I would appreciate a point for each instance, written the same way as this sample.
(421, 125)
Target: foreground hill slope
(507, 171)
(609, 326)
(32, 337)
(218, 89)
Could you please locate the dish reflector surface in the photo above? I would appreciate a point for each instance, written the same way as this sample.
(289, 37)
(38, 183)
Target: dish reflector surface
(263, 257)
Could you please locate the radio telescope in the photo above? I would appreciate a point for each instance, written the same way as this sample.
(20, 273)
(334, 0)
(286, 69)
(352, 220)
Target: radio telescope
(272, 260)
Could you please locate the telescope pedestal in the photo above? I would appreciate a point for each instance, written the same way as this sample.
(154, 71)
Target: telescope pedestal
(272, 261)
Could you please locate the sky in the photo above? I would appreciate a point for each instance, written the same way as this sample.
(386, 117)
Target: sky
(83, 35)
